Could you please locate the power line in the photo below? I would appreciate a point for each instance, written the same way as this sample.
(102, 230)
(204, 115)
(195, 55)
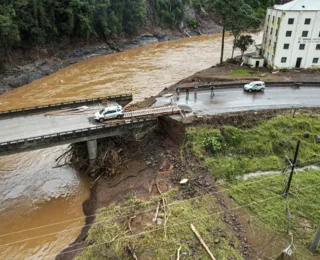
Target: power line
(97, 214)
(128, 215)
(183, 223)
(132, 206)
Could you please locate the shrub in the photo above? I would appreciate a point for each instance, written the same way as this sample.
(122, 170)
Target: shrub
(214, 142)
(193, 23)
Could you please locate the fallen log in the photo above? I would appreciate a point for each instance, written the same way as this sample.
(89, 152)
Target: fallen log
(202, 242)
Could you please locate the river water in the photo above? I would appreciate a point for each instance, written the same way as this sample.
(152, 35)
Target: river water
(32, 192)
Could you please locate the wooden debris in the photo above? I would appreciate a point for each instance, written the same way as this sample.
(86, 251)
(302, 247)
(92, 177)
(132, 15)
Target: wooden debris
(178, 253)
(130, 249)
(94, 182)
(167, 214)
(114, 238)
(157, 212)
(129, 223)
(202, 242)
(158, 188)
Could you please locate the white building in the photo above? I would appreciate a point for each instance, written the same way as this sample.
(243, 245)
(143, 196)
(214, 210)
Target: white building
(292, 35)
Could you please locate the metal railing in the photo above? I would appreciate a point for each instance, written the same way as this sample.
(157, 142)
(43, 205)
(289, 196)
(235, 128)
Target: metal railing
(240, 85)
(59, 137)
(26, 110)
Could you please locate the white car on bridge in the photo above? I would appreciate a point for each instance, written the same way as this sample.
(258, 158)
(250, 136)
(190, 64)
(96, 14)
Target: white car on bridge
(109, 112)
(255, 86)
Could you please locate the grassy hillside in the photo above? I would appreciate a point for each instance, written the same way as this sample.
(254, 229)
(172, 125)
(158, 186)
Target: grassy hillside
(230, 151)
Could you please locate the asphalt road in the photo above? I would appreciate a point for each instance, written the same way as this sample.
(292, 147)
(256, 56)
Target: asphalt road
(22, 127)
(226, 100)
(232, 100)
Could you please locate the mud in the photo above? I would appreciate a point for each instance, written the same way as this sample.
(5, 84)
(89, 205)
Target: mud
(222, 73)
(248, 119)
(143, 160)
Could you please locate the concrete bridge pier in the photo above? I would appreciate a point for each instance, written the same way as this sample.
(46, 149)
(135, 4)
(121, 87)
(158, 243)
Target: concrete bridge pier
(92, 150)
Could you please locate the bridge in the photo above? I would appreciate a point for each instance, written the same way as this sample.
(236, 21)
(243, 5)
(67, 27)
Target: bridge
(41, 127)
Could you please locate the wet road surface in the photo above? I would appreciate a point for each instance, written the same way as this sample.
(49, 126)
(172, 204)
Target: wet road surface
(39, 124)
(232, 100)
(226, 100)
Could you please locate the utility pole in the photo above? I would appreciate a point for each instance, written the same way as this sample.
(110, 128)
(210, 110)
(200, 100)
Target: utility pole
(315, 243)
(292, 169)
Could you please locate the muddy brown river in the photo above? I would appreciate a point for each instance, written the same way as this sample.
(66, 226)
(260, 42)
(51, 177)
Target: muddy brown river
(35, 194)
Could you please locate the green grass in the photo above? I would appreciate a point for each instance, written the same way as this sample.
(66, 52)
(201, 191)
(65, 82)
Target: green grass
(230, 152)
(243, 73)
(154, 245)
(303, 204)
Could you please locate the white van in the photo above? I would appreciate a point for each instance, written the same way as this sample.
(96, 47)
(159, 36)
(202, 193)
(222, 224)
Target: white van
(109, 112)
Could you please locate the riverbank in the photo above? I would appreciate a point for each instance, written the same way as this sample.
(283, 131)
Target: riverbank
(122, 224)
(28, 66)
(143, 71)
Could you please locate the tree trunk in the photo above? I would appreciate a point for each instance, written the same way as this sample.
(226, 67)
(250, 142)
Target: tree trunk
(234, 45)
(223, 35)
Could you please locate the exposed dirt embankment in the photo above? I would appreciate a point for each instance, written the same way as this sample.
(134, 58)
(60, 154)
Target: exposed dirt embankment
(126, 166)
(247, 119)
(232, 72)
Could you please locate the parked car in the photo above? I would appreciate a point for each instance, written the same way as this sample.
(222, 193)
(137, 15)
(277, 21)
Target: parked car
(255, 86)
(109, 112)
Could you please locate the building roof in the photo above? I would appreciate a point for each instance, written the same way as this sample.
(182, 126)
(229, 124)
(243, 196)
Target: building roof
(300, 5)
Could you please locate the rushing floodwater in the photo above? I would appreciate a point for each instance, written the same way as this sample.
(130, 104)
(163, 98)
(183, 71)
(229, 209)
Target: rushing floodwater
(32, 193)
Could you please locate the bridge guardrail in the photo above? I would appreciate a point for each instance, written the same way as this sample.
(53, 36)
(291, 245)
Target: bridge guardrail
(6, 147)
(123, 97)
(240, 85)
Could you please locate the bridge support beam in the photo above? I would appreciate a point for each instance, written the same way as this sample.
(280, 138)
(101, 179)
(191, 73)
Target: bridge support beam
(92, 150)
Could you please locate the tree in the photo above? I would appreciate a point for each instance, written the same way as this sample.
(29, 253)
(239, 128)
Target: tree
(9, 33)
(243, 43)
(246, 20)
(237, 16)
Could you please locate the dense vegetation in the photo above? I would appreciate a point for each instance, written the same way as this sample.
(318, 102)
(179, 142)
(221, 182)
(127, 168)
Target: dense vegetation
(29, 23)
(231, 151)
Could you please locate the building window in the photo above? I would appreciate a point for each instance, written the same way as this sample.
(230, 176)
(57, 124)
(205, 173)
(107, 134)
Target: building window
(278, 20)
(305, 34)
(268, 17)
(271, 31)
(307, 21)
(315, 60)
(273, 19)
(288, 33)
(291, 21)
(283, 59)
(267, 29)
(302, 46)
(318, 47)
(275, 45)
(286, 46)
(276, 32)
(269, 42)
